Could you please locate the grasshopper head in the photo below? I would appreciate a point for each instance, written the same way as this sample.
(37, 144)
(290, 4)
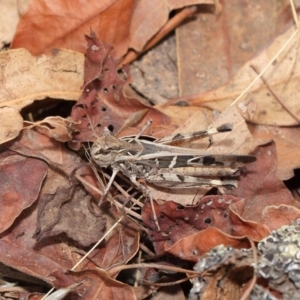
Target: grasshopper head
(105, 150)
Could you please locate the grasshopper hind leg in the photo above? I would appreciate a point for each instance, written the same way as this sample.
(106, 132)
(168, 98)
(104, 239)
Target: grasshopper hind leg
(109, 184)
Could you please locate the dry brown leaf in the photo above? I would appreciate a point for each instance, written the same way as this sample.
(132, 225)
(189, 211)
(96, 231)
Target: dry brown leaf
(149, 16)
(282, 75)
(181, 115)
(124, 23)
(59, 128)
(192, 246)
(287, 140)
(62, 24)
(212, 48)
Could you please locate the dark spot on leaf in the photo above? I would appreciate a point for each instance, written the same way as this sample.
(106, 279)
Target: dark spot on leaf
(94, 102)
(103, 108)
(111, 128)
(225, 215)
(161, 216)
(180, 207)
(207, 220)
(105, 90)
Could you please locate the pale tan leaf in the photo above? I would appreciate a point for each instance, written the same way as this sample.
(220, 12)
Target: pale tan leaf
(25, 78)
(282, 75)
(9, 130)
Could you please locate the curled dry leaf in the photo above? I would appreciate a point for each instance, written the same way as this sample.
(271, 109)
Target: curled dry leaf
(41, 28)
(177, 221)
(282, 75)
(25, 78)
(59, 128)
(102, 103)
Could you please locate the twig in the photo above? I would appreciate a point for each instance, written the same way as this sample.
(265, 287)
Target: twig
(265, 68)
(117, 269)
(129, 211)
(168, 27)
(88, 253)
(277, 97)
(249, 289)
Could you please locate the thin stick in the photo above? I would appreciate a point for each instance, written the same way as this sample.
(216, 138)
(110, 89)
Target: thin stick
(277, 97)
(265, 68)
(129, 211)
(117, 269)
(104, 236)
(249, 289)
(88, 253)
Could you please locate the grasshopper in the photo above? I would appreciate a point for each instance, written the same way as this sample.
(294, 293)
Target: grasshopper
(165, 165)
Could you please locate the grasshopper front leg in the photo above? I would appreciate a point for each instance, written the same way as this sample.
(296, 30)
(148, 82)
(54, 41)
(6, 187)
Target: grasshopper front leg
(148, 194)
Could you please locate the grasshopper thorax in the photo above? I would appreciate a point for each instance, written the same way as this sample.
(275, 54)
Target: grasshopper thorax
(108, 150)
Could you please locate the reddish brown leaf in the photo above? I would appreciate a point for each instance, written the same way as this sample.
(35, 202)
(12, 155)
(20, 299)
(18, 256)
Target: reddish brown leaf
(50, 259)
(124, 23)
(98, 285)
(61, 24)
(277, 216)
(39, 260)
(21, 179)
(192, 246)
(177, 222)
(102, 103)
(119, 248)
(260, 186)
